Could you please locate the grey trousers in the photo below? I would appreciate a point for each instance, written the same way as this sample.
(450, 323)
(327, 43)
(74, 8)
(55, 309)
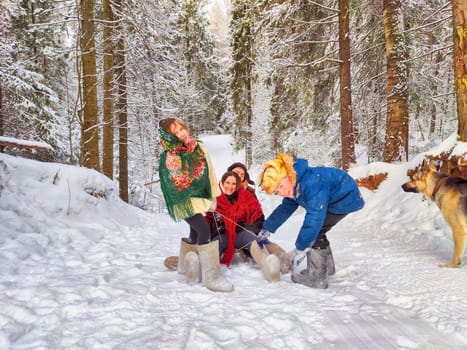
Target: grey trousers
(243, 241)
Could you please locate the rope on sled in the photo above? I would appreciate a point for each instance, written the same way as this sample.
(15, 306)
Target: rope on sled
(243, 228)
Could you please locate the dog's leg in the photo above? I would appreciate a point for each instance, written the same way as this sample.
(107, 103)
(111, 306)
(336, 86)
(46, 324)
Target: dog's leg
(459, 238)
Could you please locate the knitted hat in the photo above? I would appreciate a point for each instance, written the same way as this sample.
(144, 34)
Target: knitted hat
(243, 166)
(275, 170)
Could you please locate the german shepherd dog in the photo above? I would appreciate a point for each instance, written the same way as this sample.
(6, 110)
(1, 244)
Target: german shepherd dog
(450, 195)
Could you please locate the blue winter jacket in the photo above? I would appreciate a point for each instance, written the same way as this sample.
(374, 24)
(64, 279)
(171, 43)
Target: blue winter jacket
(319, 190)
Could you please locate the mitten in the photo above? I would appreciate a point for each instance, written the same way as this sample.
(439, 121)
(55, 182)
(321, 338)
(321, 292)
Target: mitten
(299, 261)
(263, 237)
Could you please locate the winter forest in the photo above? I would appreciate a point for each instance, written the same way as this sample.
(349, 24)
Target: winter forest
(331, 81)
(369, 86)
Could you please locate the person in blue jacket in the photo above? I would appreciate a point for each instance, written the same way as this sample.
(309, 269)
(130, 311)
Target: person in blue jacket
(327, 194)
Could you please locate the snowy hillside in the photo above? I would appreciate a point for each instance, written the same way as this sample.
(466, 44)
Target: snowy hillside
(79, 269)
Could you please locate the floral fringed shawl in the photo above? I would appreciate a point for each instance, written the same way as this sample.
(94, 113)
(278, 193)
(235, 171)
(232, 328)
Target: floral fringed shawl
(183, 173)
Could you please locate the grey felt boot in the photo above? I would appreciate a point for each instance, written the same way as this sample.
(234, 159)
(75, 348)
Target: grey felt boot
(316, 272)
(330, 261)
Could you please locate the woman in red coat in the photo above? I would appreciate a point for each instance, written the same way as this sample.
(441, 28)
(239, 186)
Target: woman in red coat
(235, 224)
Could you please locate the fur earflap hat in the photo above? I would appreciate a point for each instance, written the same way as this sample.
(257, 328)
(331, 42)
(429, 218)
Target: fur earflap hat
(275, 170)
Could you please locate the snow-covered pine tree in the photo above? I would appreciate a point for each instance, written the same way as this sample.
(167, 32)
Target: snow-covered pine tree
(241, 73)
(203, 86)
(303, 49)
(33, 68)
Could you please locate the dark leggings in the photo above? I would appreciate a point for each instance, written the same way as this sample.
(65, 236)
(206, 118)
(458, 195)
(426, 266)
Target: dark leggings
(321, 241)
(243, 241)
(200, 232)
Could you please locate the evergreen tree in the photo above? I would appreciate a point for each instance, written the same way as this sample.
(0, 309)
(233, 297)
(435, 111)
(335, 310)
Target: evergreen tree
(203, 89)
(241, 72)
(369, 83)
(303, 47)
(33, 67)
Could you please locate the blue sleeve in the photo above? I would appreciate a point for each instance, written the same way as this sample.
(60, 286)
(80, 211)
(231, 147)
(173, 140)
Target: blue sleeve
(316, 210)
(280, 214)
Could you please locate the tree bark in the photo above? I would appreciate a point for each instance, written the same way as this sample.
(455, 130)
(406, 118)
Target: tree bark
(108, 127)
(459, 13)
(89, 122)
(347, 131)
(1, 116)
(121, 107)
(397, 120)
(1, 110)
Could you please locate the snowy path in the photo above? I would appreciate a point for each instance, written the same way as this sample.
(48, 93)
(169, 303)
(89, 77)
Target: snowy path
(111, 291)
(78, 272)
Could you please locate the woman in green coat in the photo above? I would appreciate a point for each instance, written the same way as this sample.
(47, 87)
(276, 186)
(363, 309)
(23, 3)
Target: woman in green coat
(190, 188)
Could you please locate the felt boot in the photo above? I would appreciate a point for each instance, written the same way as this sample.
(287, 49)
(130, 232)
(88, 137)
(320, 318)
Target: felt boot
(315, 274)
(269, 263)
(284, 258)
(330, 261)
(317, 262)
(192, 268)
(171, 263)
(185, 247)
(210, 268)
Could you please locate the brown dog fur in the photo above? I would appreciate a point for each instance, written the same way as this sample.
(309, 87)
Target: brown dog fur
(450, 195)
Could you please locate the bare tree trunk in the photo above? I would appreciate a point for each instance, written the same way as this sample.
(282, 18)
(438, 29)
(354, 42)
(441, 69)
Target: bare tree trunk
(433, 120)
(121, 110)
(347, 132)
(89, 123)
(247, 134)
(122, 124)
(433, 110)
(373, 139)
(1, 115)
(397, 120)
(108, 127)
(459, 13)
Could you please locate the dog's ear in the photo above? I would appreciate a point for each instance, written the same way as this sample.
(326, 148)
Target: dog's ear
(431, 166)
(410, 172)
(421, 167)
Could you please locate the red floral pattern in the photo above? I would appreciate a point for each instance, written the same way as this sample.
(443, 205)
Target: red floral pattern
(181, 177)
(173, 162)
(182, 180)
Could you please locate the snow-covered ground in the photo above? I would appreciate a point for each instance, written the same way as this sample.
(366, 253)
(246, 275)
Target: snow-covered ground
(84, 272)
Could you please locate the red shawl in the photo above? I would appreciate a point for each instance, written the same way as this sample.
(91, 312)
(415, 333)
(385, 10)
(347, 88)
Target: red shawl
(246, 209)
